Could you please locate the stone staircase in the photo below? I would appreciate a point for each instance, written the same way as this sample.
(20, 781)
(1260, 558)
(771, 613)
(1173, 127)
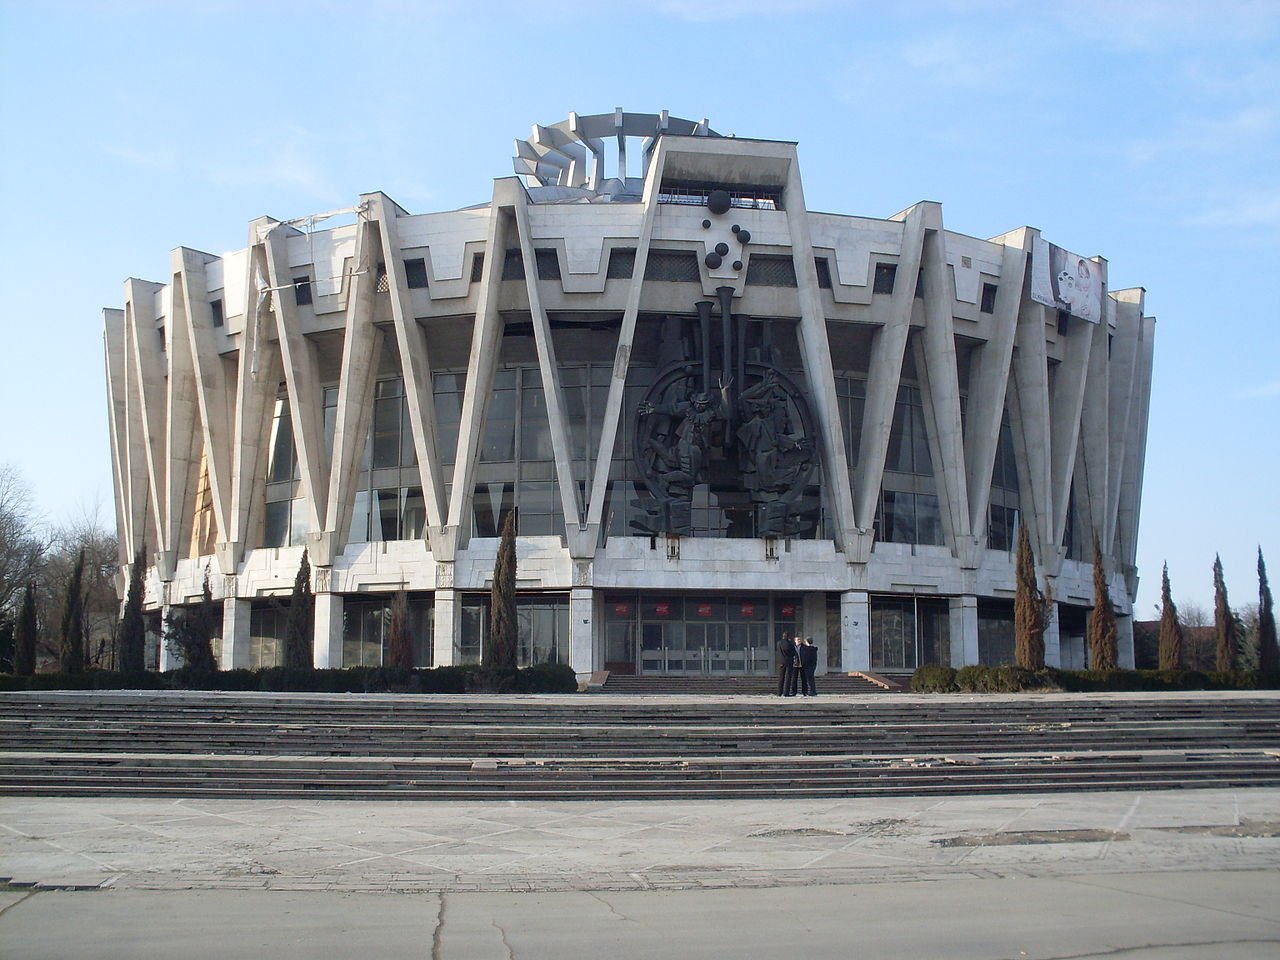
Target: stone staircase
(831, 683)
(625, 747)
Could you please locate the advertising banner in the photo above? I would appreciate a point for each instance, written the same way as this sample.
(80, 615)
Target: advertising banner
(1061, 279)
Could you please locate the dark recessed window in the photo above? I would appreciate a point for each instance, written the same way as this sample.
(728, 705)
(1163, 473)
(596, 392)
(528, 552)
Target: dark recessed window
(824, 272)
(548, 264)
(988, 298)
(216, 307)
(885, 275)
(415, 273)
(672, 265)
(767, 271)
(1064, 320)
(622, 263)
(920, 285)
(302, 291)
(513, 266)
(477, 268)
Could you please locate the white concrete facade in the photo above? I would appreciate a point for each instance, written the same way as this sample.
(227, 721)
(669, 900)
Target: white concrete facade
(197, 363)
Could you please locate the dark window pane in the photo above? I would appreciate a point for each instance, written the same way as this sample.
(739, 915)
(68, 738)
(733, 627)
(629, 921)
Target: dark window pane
(477, 268)
(302, 291)
(885, 274)
(622, 263)
(215, 306)
(988, 298)
(824, 272)
(275, 528)
(548, 264)
(771, 271)
(415, 273)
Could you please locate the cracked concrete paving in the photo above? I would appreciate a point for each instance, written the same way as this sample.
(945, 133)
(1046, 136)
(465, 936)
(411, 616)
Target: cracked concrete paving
(1175, 874)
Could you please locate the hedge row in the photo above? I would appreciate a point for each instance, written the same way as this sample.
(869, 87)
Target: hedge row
(934, 678)
(543, 678)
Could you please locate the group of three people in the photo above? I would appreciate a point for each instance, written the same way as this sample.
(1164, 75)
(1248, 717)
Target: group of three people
(797, 661)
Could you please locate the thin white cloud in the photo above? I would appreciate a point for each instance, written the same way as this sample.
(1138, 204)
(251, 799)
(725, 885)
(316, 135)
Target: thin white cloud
(1271, 389)
(1243, 208)
(287, 161)
(158, 158)
(1209, 135)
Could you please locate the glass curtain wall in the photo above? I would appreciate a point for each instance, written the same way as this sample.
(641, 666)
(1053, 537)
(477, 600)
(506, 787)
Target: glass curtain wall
(285, 521)
(995, 632)
(542, 621)
(267, 629)
(366, 631)
(517, 463)
(1002, 531)
(907, 632)
(908, 511)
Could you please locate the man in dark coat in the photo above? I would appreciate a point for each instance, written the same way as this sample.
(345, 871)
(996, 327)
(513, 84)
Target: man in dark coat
(808, 665)
(786, 657)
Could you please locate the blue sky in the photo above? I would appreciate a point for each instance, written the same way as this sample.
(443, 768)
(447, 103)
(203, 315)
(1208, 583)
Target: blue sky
(1146, 132)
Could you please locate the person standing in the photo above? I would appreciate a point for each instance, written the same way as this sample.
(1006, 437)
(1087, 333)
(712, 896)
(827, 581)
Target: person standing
(793, 681)
(786, 656)
(808, 666)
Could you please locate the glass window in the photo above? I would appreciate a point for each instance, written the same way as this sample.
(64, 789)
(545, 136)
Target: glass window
(995, 632)
(282, 465)
(535, 428)
(275, 532)
(498, 442)
(490, 505)
(928, 520)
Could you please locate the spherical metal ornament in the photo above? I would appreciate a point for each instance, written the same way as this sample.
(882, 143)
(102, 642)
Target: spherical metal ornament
(744, 237)
(722, 249)
(718, 201)
(713, 261)
(735, 228)
(706, 224)
(737, 264)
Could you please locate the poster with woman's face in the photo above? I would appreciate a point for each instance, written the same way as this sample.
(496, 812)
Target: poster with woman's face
(1066, 281)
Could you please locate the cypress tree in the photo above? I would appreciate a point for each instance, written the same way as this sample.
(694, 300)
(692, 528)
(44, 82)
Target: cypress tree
(1028, 609)
(1224, 624)
(24, 634)
(132, 635)
(72, 651)
(1268, 651)
(298, 626)
(501, 652)
(1102, 621)
(1170, 629)
(399, 642)
(189, 633)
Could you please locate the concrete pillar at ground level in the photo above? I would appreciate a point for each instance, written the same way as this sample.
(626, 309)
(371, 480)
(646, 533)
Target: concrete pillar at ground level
(815, 625)
(855, 630)
(581, 649)
(1052, 638)
(235, 634)
(1124, 643)
(327, 649)
(169, 659)
(445, 626)
(964, 631)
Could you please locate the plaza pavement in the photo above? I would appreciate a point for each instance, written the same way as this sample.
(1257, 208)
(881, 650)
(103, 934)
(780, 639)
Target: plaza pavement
(1168, 875)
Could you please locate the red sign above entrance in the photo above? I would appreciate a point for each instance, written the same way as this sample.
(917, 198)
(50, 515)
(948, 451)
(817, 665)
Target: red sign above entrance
(622, 609)
(747, 609)
(704, 609)
(662, 609)
(789, 610)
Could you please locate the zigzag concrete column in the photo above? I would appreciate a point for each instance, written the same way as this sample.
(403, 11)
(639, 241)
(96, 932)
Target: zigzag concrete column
(235, 633)
(446, 634)
(855, 630)
(327, 649)
(964, 630)
(581, 647)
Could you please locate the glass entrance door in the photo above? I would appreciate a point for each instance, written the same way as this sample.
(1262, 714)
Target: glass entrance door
(713, 635)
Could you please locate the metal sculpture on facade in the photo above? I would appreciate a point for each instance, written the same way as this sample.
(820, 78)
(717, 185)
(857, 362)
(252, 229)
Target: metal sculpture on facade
(734, 420)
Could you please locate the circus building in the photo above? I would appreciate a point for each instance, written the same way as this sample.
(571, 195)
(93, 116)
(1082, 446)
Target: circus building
(716, 414)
